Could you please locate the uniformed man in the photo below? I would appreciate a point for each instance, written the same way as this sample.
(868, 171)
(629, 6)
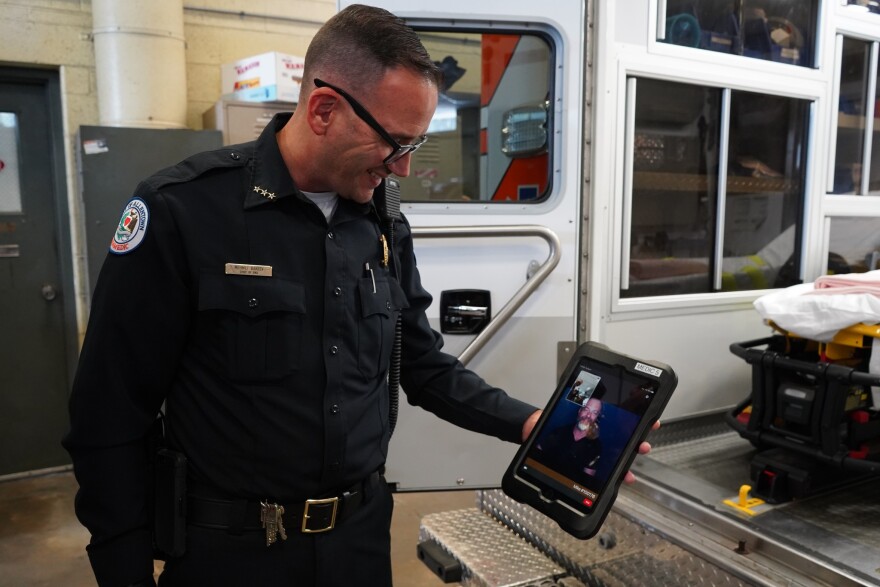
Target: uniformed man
(250, 289)
(575, 449)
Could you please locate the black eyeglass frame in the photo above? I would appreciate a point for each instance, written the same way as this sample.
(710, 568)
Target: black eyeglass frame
(399, 151)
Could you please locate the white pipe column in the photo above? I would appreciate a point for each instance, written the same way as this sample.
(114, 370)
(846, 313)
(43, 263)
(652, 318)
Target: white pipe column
(140, 63)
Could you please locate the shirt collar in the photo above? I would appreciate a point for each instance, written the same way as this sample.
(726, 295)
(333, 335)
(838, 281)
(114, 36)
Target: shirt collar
(270, 180)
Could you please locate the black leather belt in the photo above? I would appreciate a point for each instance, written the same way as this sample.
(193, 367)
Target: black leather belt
(310, 516)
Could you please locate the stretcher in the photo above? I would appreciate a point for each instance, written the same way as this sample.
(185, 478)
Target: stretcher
(813, 411)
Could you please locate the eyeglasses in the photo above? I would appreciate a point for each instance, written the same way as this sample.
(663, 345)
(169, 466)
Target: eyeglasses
(399, 150)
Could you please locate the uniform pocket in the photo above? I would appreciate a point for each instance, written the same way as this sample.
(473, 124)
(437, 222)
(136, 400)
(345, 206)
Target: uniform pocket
(379, 311)
(259, 321)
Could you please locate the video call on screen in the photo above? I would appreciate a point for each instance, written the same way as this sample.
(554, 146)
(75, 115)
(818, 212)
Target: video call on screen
(604, 403)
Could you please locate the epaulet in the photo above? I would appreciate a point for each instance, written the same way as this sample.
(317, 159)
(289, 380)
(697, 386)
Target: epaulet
(201, 163)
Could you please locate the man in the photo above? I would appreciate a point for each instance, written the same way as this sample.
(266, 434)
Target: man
(265, 296)
(575, 450)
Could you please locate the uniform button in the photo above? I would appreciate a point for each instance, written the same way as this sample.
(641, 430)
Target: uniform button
(337, 291)
(235, 156)
(253, 303)
(330, 235)
(334, 349)
(387, 305)
(334, 409)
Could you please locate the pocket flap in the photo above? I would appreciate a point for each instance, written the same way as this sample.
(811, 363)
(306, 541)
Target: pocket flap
(387, 298)
(251, 296)
(374, 302)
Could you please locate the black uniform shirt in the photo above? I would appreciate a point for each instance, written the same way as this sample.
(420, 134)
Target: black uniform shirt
(275, 385)
(567, 455)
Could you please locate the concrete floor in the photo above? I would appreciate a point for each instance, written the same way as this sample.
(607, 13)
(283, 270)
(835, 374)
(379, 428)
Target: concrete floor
(43, 544)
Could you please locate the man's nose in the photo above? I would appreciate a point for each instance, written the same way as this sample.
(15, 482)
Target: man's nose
(400, 168)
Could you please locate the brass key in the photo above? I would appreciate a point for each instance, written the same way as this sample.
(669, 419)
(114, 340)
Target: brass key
(270, 517)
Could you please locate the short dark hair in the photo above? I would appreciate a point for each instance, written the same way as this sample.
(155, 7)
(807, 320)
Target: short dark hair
(359, 44)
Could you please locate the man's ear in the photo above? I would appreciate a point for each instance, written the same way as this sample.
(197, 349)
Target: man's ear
(321, 107)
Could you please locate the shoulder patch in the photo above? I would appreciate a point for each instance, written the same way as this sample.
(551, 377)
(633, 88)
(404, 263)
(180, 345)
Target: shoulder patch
(132, 227)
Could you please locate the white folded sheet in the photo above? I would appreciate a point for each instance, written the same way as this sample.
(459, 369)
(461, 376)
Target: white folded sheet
(818, 310)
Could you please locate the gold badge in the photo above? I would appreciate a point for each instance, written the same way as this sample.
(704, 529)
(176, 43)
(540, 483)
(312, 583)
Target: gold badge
(384, 250)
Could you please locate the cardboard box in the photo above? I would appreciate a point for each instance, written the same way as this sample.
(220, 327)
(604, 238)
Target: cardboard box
(274, 93)
(260, 71)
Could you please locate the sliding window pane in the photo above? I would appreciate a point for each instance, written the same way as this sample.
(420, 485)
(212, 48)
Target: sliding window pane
(874, 112)
(854, 245)
(852, 116)
(675, 170)
(766, 173)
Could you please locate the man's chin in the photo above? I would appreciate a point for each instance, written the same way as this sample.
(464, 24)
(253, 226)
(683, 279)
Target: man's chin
(362, 196)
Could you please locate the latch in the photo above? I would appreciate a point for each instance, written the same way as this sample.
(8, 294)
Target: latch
(464, 311)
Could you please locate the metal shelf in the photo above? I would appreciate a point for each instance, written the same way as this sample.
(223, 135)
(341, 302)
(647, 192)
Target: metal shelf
(662, 181)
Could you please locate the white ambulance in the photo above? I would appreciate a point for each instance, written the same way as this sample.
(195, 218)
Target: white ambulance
(638, 173)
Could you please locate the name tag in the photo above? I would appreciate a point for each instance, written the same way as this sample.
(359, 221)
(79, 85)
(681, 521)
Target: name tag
(253, 270)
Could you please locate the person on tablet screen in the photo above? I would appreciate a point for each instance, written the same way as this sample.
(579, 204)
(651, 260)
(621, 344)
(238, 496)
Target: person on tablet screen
(574, 450)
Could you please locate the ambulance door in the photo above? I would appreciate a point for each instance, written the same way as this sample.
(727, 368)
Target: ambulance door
(493, 198)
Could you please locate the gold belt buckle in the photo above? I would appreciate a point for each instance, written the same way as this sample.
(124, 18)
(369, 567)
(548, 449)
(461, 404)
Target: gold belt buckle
(319, 502)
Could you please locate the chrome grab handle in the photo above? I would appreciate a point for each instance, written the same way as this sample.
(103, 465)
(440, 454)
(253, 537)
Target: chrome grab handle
(523, 292)
(468, 310)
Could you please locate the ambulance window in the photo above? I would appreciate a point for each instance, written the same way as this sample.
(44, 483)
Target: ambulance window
(489, 140)
(717, 190)
(857, 112)
(783, 31)
(853, 245)
(862, 6)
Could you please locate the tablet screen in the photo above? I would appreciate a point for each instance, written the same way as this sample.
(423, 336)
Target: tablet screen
(587, 432)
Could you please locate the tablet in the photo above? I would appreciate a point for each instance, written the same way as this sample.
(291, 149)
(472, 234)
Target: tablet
(575, 459)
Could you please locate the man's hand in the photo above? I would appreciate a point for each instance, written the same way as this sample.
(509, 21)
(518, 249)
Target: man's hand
(644, 449)
(530, 424)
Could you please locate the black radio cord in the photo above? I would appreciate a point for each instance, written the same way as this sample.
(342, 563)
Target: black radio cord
(391, 213)
(396, 347)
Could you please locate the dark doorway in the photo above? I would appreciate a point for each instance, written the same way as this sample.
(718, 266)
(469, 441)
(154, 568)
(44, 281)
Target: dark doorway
(37, 299)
